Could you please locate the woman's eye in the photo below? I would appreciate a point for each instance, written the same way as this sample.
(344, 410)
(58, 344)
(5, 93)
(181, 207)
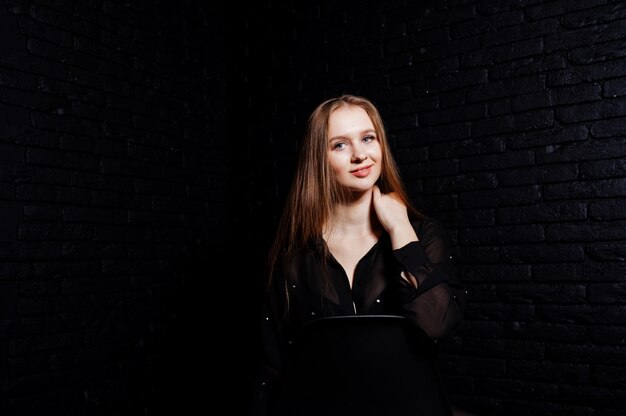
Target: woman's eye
(368, 139)
(339, 146)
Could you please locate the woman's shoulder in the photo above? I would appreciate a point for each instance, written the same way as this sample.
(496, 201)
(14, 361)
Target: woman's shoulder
(427, 223)
(429, 228)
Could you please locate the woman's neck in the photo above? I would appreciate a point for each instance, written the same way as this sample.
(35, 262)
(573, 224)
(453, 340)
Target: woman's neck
(353, 218)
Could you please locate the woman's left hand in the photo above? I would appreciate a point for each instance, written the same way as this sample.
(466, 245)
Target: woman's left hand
(393, 216)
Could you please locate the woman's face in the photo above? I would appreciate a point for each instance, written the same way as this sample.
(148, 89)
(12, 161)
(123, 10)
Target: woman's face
(354, 149)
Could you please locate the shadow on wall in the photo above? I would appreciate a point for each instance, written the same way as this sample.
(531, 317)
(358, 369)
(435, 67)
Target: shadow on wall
(10, 39)
(13, 53)
(208, 358)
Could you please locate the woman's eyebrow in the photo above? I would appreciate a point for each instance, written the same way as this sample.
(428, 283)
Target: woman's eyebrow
(343, 137)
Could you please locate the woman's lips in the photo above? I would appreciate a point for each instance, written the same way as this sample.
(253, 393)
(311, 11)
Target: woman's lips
(362, 172)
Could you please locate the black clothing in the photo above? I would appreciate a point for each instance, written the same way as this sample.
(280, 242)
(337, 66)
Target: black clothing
(299, 294)
(363, 365)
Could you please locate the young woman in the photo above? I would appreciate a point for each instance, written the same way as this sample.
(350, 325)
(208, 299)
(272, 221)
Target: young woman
(349, 241)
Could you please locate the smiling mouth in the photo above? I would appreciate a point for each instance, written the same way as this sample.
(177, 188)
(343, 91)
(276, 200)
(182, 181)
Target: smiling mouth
(361, 172)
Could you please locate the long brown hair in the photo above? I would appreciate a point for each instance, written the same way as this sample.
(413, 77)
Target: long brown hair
(314, 191)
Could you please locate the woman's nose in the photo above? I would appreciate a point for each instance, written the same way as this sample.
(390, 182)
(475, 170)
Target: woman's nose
(358, 155)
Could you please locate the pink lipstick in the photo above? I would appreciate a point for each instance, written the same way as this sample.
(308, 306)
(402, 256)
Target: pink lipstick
(362, 172)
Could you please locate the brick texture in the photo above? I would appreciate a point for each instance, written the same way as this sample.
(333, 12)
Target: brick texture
(141, 144)
(507, 119)
(113, 171)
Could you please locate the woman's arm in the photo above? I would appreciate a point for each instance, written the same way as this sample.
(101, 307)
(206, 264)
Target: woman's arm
(437, 304)
(430, 294)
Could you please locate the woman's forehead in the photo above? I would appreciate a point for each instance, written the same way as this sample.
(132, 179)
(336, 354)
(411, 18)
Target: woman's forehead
(349, 120)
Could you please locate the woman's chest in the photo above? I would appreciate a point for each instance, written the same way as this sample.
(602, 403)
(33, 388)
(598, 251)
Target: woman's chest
(323, 288)
(349, 253)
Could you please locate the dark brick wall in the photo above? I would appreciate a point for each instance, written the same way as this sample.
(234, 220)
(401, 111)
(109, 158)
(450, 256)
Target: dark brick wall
(142, 143)
(507, 118)
(113, 199)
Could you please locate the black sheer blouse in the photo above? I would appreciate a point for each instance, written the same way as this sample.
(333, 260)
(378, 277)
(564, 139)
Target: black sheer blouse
(301, 294)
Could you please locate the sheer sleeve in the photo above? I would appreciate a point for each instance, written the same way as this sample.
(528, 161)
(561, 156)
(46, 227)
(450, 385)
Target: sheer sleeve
(437, 304)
